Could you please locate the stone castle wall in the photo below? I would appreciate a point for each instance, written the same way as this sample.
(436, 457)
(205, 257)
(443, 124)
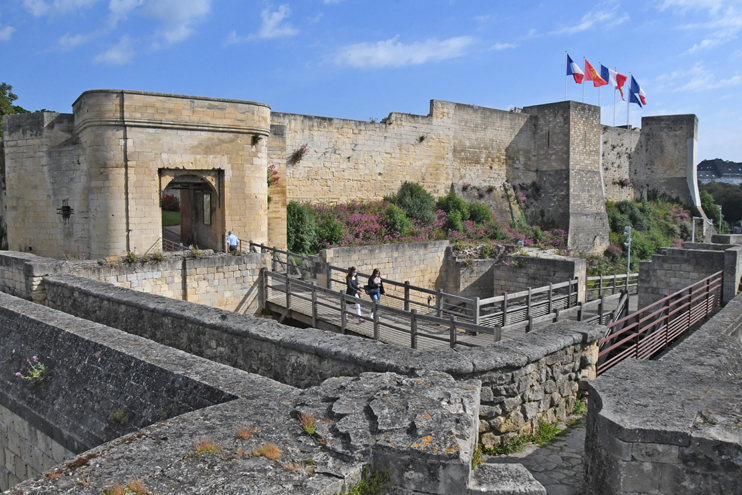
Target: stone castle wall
(518, 273)
(474, 151)
(618, 149)
(112, 157)
(658, 159)
(676, 269)
(221, 281)
(418, 263)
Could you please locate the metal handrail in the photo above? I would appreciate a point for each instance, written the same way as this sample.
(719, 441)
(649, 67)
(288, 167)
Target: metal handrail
(647, 331)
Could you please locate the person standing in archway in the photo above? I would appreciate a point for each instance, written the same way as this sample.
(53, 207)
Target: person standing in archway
(232, 242)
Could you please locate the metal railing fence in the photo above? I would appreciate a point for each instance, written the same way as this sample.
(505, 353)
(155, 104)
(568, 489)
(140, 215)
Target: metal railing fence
(649, 330)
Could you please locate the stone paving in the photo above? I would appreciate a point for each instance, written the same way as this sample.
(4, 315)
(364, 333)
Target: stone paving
(558, 466)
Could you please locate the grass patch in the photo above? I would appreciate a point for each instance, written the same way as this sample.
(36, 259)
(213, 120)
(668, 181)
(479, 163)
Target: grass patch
(579, 408)
(545, 434)
(170, 218)
(307, 422)
(372, 483)
(476, 458)
(244, 432)
(136, 487)
(269, 451)
(203, 446)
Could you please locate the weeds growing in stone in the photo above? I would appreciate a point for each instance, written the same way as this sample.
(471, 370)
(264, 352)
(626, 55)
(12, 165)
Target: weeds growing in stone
(195, 251)
(268, 451)
(545, 433)
(131, 257)
(118, 417)
(158, 256)
(476, 458)
(37, 372)
(579, 408)
(239, 453)
(372, 483)
(136, 487)
(203, 446)
(244, 432)
(307, 422)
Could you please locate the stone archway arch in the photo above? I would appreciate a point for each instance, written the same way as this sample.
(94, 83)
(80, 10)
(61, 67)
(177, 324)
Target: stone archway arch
(202, 205)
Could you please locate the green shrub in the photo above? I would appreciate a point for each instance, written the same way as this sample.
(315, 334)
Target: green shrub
(538, 234)
(479, 212)
(451, 203)
(640, 216)
(395, 219)
(454, 222)
(301, 228)
(329, 231)
(416, 202)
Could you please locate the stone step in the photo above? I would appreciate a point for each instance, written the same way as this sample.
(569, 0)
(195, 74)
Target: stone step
(504, 479)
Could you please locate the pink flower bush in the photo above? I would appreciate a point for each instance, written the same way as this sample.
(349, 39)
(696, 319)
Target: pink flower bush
(364, 223)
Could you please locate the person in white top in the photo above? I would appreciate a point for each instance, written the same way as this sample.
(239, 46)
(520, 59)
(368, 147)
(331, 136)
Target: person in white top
(232, 242)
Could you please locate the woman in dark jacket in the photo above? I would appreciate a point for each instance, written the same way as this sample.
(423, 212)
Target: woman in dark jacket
(353, 289)
(375, 287)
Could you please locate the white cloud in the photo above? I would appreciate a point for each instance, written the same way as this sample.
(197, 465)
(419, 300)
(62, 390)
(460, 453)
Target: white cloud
(6, 33)
(38, 8)
(178, 18)
(483, 18)
(120, 9)
(697, 78)
(119, 54)
(391, 53)
(685, 5)
(333, 1)
(272, 27)
(503, 46)
(68, 42)
(593, 19)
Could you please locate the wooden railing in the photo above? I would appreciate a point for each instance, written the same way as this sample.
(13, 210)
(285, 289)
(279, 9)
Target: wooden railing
(648, 331)
(527, 305)
(611, 284)
(512, 311)
(417, 325)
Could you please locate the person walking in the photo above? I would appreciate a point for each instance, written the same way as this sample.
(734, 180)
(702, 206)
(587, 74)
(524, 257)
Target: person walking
(232, 242)
(375, 287)
(353, 289)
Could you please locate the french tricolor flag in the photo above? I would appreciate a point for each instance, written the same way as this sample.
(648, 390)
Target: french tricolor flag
(574, 70)
(636, 93)
(614, 78)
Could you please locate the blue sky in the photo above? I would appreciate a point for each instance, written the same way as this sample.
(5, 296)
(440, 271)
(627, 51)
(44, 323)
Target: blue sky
(362, 59)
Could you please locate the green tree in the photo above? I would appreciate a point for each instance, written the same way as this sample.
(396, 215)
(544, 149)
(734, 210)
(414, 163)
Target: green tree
(7, 97)
(711, 209)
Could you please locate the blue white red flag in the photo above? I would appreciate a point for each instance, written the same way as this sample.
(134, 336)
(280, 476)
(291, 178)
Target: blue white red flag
(614, 78)
(637, 94)
(574, 70)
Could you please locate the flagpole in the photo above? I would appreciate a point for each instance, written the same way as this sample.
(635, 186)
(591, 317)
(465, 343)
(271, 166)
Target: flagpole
(583, 82)
(565, 77)
(628, 103)
(614, 99)
(601, 111)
